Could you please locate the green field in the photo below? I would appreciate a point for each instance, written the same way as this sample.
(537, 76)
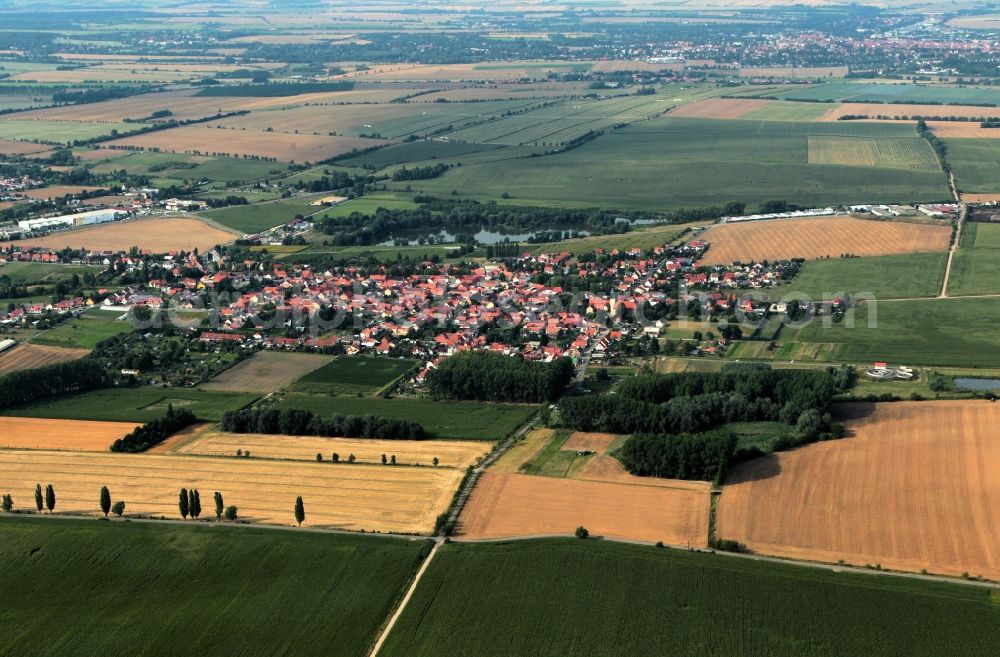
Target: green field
(63, 132)
(890, 93)
(670, 163)
(86, 331)
(888, 277)
(36, 272)
(260, 217)
(778, 111)
(563, 121)
(134, 404)
(945, 332)
(976, 163)
(568, 598)
(451, 420)
(86, 588)
(350, 375)
(976, 266)
(368, 205)
(172, 165)
(417, 151)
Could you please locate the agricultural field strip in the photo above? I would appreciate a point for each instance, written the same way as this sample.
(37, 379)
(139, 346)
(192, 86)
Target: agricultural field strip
(451, 453)
(398, 499)
(889, 152)
(581, 118)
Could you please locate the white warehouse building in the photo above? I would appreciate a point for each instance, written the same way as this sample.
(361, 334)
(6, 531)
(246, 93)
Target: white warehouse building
(79, 219)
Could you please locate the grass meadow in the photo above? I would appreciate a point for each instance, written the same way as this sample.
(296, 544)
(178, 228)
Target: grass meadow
(260, 217)
(85, 331)
(891, 277)
(946, 332)
(556, 598)
(976, 163)
(976, 266)
(85, 587)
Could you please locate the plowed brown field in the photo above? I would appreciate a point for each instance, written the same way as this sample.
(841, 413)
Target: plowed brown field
(916, 487)
(266, 371)
(354, 497)
(818, 237)
(39, 433)
(593, 442)
(509, 505)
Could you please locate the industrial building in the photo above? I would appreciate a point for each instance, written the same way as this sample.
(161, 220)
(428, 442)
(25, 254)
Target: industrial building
(69, 220)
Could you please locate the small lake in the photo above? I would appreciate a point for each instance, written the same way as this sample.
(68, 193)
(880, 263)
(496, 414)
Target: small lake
(977, 384)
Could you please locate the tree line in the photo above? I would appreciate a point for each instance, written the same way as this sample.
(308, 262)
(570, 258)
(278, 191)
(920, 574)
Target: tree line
(28, 385)
(155, 432)
(485, 376)
(294, 422)
(420, 173)
(693, 402)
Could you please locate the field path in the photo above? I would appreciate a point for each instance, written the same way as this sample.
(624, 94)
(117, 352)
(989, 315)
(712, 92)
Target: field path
(954, 247)
(402, 603)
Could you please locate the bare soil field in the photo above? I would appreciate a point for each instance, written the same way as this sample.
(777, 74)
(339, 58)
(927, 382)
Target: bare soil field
(284, 147)
(352, 497)
(793, 72)
(721, 108)
(57, 191)
(156, 235)
(592, 442)
(509, 505)
(916, 487)
(450, 453)
(980, 198)
(266, 371)
(911, 110)
(28, 356)
(14, 147)
(818, 237)
(76, 435)
(984, 22)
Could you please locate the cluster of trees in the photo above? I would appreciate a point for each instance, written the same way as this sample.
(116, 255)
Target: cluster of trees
(155, 432)
(332, 180)
(940, 148)
(118, 508)
(697, 457)
(189, 503)
(487, 376)
(694, 401)
(420, 173)
(293, 422)
(28, 385)
(275, 89)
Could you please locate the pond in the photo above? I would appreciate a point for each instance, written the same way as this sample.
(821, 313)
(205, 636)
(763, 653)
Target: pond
(977, 384)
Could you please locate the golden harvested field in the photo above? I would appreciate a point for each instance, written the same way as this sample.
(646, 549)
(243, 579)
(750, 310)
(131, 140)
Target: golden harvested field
(524, 451)
(352, 497)
(76, 435)
(27, 356)
(57, 191)
(593, 442)
(509, 505)
(500, 92)
(619, 65)
(156, 235)
(721, 108)
(963, 130)
(885, 152)
(204, 140)
(266, 371)
(984, 22)
(459, 72)
(450, 453)
(916, 487)
(182, 104)
(901, 110)
(818, 237)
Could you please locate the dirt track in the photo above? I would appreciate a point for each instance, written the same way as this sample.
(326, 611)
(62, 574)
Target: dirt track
(917, 487)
